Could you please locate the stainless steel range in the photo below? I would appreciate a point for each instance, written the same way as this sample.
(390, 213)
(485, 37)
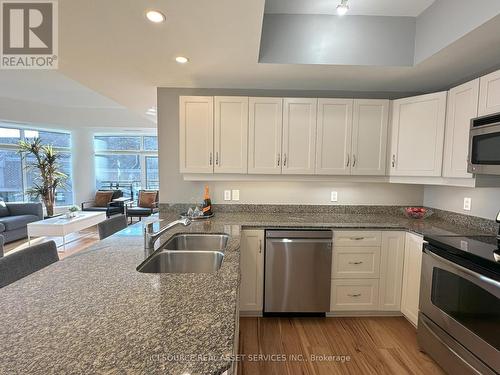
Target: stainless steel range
(459, 318)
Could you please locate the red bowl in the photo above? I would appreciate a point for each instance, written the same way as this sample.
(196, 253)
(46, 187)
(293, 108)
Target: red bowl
(417, 212)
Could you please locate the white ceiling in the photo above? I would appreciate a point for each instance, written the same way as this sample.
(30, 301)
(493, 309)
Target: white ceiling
(410, 8)
(51, 88)
(123, 57)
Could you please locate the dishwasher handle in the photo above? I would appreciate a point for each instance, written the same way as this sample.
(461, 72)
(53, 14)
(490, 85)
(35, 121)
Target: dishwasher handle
(329, 242)
(300, 234)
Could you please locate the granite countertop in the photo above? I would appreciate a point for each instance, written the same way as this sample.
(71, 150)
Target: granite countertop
(94, 313)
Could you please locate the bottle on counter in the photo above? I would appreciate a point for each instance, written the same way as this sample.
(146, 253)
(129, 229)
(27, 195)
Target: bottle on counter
(206, 206)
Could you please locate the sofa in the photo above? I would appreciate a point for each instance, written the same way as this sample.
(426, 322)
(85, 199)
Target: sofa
(15, 217)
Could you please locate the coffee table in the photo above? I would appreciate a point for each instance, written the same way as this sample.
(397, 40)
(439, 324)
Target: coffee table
(62, 226)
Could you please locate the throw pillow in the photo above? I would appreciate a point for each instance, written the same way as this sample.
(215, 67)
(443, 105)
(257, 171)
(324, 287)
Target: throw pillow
(147, 199)
(4, 211)
(102, 198)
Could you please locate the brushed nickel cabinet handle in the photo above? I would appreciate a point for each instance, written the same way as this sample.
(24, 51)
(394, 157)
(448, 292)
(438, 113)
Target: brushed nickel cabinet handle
(357, 238)
(355, 295)
(393, 160)
(279, 157)
(348, 160)
(356, 263)
(217, 158)
(260, 246)
(284, 160)
(353, 160)
(210, 159)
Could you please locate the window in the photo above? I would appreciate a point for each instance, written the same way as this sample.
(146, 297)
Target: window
(127, 162)
(15, 179)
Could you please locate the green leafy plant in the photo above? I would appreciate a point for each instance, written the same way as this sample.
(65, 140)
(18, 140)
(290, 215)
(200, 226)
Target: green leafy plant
(48, 176)
(74, 209)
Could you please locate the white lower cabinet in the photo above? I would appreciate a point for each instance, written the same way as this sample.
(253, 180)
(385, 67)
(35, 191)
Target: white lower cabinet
(367, 271)
(354, 295)
(252, 271)
(411, 277)
(391, 270)
(355, 262)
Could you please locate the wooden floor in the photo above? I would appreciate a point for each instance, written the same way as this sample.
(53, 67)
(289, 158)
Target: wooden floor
(79, 241)
(310, 346)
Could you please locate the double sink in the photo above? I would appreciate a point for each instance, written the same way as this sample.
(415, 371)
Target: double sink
(187, 253)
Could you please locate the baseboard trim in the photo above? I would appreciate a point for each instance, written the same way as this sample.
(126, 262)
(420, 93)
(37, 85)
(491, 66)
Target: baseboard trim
(347, 314)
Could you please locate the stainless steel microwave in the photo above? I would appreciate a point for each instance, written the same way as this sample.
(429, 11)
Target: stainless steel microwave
(484, 145)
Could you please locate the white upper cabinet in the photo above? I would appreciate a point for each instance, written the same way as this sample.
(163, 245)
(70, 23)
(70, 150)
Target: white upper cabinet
(196, 134)
(333, 141)
(369, 137)
(264, 135)
(231, 134)
(489, 97)
(299, 135)
(418, 135)
(462, 107)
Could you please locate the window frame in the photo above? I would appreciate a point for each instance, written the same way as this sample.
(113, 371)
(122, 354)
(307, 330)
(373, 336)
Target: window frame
(142, 153)
(14, 147)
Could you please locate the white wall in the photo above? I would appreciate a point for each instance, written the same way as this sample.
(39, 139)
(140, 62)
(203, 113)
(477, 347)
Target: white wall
(459, 16)
(485, 201)
(173, 188)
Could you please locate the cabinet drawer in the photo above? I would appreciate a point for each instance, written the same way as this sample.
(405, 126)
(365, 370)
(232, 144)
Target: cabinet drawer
(357, 238)
(354, 295)
(356, 262)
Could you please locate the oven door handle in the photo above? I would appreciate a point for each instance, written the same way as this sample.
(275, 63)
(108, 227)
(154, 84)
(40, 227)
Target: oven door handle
(467, 271)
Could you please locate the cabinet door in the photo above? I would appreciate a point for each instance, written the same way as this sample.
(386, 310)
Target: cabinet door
(461, 108)
(264, 135)
(411, 277)
(333, 141)
(369, 137)
(391, 270)
(299, 135)
(196, 134)
(489, 94)
(418, 135)
(252, 270)
(231, 134)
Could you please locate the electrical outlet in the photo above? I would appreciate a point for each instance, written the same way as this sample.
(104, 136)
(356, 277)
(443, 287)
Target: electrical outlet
(467, 204)
(236, 195)
(227, 195)
(334, 196)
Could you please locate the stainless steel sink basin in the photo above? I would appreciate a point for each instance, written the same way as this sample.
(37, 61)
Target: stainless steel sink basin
(189, 242)
(188, 253)
(182, 261)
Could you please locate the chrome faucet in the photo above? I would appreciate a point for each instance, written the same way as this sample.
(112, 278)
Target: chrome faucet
(150, 237)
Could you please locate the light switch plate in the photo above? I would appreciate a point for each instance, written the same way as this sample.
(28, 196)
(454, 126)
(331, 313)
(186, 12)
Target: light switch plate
(334, 196)
(227, 195)
(467, 204)
(236, 195)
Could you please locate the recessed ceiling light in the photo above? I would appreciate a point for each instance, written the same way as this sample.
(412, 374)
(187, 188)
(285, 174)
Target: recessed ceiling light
(155, 16)
(342, 8)
(181, 59)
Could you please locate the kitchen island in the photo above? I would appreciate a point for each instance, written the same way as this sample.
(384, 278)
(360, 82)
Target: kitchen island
(94, 313)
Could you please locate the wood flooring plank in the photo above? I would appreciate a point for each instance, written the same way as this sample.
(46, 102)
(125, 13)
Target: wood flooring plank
(378, 345)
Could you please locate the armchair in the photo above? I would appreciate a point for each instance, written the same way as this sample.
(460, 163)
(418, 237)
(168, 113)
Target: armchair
(103, 202)
(147, 204)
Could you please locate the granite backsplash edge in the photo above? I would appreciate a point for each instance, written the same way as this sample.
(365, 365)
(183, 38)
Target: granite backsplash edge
(458, 219)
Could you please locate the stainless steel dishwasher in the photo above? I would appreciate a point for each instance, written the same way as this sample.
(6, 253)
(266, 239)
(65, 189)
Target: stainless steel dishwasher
(298, 267)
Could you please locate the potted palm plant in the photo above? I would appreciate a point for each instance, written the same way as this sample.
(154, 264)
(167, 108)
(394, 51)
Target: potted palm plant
(48, 176)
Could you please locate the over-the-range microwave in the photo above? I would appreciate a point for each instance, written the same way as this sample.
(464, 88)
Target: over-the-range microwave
(484, 145)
